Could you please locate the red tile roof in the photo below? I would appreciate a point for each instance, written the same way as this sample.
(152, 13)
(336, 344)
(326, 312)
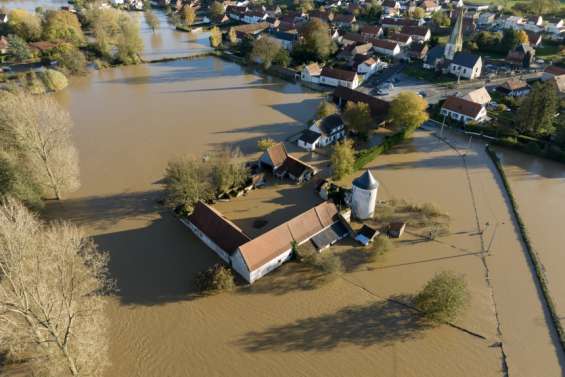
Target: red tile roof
(462, 106)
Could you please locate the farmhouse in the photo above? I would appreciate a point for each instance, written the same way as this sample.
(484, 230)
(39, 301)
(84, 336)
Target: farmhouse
(217, 232)
(330, 128)
(463, 110)
(418, 33)
(265, 253)
(402, 39)
(371, 32)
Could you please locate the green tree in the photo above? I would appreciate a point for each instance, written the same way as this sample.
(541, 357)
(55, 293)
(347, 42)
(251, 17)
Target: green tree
(18, 48)
(152, 20)
(316, 44)
(232, 36)
(444, 297)
(54, 80)
(282, 58)
(69, 57)
(264, 51)
(380, 246)
(105, 26)
(188, 15)
(228, 170)
(215, 279)
(418, 13)
(25, 25)
(509, 39)
(408, 111)
(265, 143)
(217, 11)
(357, 118)
(522, 37)
(215, 37)
(187, 180)
(536, 114)
(62, 26)
(441, 19)
(541, 7)
(342, 159)
(325, 109)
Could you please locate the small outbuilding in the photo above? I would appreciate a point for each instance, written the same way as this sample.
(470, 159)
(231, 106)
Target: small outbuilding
(396, 229)
(366, 235)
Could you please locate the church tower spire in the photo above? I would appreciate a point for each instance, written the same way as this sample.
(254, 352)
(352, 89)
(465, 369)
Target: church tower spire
(455, 43)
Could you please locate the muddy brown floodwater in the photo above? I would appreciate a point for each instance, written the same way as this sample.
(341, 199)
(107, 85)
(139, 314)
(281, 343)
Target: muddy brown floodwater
(539, 188)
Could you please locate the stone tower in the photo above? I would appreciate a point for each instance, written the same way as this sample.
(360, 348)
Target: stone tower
(455, 43)
(364, 196)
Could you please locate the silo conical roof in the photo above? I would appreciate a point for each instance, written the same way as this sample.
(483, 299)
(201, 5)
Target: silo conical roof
(366, 181)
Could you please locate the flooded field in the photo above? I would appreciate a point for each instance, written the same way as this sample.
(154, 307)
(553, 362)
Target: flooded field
(539, 187)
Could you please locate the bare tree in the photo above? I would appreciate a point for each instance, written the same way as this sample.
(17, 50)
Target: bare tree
(52, 280)
(41, 130)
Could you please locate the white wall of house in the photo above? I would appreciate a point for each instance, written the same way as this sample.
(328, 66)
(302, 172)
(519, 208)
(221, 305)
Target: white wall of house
(207, 241)
(465, 118)
(326, 80)
(308, 146)
(254, 19)
(388, 52)
(326, 140)
(466, 72)
(305, 76)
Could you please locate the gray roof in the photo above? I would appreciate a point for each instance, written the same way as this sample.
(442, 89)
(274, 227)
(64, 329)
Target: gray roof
(331, 124)
(309, 136)
(465, 59)
(434, 54)
(366, 181)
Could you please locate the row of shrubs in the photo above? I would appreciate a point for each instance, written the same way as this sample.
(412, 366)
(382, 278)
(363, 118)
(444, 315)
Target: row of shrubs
(367, 155)
(531, 252)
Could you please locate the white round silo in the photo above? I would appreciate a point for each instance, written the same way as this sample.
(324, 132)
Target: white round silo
(364, 196)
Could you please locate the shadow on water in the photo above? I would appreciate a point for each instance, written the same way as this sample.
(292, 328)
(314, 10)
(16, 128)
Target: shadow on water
(382, 322)
(155, 259)
(156, 264)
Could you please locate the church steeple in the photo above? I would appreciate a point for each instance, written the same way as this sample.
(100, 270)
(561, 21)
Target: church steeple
(455, 43)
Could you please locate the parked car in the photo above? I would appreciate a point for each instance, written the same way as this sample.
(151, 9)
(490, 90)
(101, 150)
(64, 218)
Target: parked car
(5, 69)
(423, 93)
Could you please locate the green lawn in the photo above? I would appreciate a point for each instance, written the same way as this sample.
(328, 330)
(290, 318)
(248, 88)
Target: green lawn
(420, 73)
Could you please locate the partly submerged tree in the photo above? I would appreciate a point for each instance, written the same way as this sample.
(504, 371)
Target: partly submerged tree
(215, 37)
(216, 11)
(152, 20)
(444, 297)
(215, 279)
(62, 26)
(18, 48)
(265, 143)
(408, 111)
(25, 24)
(52, 313)
(129, 43)
(316, 44)
(187, 180)
(38, 129)
(264, 50)
(342, 159)
(70, 58)
(188, 15)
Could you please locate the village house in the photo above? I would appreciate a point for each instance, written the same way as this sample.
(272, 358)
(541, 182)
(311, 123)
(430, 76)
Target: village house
(252, 31)
(385, 47)
(255, 16)
(399, 23)
(235, 12)
(418, 33)
(514, 88)
(378, 107)
(391, 8)
(534, 39)
(555, 27)
(322, 15)
(512, 22)
(463, 110)
(430, 6)
(352, 38)
(282, 164)
(523, 55)
(344, 20)
(339, 77)
(349, 52)
(479, 95)
(403, 40)
(552, 71)
(322, 133)
(534, 24)
(367, 65)
(476, 7)
(486, 19)
(311, 73)
(417, 51)
(371, 32)
(466, 65)
(286, 39)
